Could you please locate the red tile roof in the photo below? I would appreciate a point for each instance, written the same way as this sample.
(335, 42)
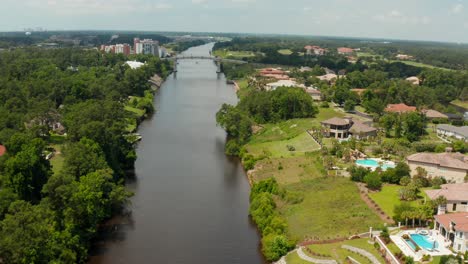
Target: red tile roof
(345, 50)
(2, 150)
(459, 219)
(400, 108)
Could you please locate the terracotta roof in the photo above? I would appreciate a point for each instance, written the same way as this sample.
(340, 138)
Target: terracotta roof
(448, 160)
(400, 108)
(2, 150)
(459, 219)
(345, 50)
(336, 121)
(453, 192)
(434, 114)
(359, 127)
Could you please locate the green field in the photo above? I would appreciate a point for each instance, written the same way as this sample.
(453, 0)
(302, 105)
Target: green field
(57, 160)
(368, 54)
(388, 197)
(462, 104)
(331, 208)
(340, 254)
(233, 54)
(302, 144)
(285, 51)
(293, 169)
(420, 64)
(292, 128)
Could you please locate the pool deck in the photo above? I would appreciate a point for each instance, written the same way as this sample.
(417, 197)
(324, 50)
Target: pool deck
(417, 256)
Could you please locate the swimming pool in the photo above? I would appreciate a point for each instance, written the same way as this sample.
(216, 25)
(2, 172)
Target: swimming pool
(374, 163)
(424, 242)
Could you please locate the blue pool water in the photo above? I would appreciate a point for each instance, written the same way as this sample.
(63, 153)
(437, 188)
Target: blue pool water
(373, 163)
(424, 242)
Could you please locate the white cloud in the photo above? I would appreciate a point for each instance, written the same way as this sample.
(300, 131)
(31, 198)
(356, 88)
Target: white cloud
(199, 1)
(96, 6)
(456, 9)
(397, 17)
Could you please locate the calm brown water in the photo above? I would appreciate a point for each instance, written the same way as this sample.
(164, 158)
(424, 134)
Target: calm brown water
(191, 201)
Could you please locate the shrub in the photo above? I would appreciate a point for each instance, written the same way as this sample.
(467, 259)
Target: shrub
(426, 257)
(373, 181)
(385, 235)
(357, 173)
(274, 246)
(405, 180)
(324, 104)
(290, 148)
(409, 260)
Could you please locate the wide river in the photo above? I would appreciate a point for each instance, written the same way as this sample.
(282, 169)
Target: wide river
(191, 201)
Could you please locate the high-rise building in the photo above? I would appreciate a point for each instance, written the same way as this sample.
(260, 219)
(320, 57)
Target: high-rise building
(122, 48)
(118, 48)
(146, 46)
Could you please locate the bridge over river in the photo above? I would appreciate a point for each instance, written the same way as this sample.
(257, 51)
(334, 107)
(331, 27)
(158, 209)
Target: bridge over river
(217, 60)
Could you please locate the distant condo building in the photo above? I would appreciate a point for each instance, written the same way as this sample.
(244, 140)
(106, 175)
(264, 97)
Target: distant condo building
(146, 46)
(116, 49)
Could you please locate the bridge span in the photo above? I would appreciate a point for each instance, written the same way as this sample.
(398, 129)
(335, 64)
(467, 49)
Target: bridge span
(217, 60)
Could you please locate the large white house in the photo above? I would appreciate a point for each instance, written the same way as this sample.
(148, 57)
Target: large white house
(454, 227)
(456, 195)
(461, 133)
(451, 166)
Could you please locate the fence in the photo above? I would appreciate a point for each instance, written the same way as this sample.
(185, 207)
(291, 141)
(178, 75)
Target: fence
(388, 254)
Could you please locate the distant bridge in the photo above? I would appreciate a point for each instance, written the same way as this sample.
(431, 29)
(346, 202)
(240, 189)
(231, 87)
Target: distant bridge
(217, 60)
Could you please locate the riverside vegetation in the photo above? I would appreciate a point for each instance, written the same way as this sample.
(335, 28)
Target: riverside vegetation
(50, 209)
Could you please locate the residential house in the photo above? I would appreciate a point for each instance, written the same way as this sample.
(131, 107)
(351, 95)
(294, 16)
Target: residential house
(315, 50)
(433, 114)
(281, 83)
(404, 57)
(345, 51)
(453, 167)
(456, 195)
(314, 93)
(461, 133)
(413, 80)
(329, 77)
(274, 73)
(399, 108)
(2, 150)
(342, 128)
(454, 227)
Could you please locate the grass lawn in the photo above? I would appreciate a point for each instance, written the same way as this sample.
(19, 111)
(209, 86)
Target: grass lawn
(388, 197)
(295, 169)
(463, 104)
(331, 208)
(57, 160)
(136, 111)
(285, 51)
(337, 253)
(292, 128)
(233, 54)
(368, 54)
(420, 64)
(293, 258)
(302, 143)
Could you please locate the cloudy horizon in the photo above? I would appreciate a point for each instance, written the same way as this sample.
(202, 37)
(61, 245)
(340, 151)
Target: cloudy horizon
(443, 21)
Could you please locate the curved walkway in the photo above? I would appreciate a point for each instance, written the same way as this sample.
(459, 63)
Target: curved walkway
(362, 252)
(305, 257)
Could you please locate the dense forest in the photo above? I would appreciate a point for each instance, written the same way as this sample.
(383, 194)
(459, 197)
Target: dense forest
(50, 214)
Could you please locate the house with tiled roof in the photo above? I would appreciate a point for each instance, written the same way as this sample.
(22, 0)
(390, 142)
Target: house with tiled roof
(399, 108)
(434, 114)
(341, 128)
(449, 131)
(454, 227)
(456, 195)
(345, 51)
(453, 167)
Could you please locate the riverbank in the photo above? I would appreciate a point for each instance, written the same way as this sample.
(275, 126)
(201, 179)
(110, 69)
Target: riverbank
(312, 204)
(190, 202)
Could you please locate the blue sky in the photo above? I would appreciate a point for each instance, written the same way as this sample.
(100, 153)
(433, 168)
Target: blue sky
(440, 20)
